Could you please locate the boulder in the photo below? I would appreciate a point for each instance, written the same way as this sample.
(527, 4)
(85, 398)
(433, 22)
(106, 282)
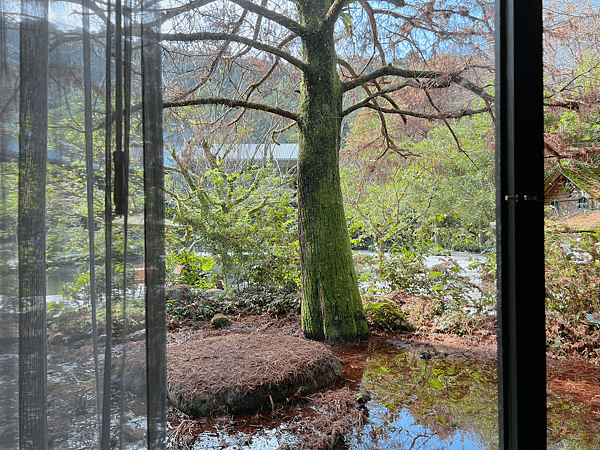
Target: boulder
(242, 373)
(219, 320)
(179, 293)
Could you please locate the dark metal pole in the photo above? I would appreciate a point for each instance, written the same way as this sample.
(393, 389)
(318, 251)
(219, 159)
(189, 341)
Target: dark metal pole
(520, 233)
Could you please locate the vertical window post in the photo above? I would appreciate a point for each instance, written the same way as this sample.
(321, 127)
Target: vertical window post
(520, 214)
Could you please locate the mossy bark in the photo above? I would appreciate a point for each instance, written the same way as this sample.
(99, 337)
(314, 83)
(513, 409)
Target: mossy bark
(331, 306)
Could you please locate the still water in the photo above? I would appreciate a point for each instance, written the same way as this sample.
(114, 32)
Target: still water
(424, 401)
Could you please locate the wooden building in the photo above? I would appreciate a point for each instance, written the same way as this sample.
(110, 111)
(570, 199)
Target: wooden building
(574, 189)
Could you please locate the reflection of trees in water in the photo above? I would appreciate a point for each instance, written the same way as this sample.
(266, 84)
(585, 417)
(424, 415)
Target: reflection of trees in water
(450, 398)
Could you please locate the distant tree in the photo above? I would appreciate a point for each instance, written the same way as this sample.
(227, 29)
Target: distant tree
(437, 180)
(572, 79)
(239, 212)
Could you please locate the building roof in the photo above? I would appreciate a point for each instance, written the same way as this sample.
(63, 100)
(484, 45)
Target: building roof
(585, 177)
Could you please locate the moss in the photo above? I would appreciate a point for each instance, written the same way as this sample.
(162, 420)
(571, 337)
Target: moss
(219, 321)
(384, 315)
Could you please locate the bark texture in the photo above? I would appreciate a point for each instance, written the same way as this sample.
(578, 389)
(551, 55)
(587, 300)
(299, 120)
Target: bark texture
(332, 309)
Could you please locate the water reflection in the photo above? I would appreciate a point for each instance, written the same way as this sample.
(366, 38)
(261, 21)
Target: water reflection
(445, 402)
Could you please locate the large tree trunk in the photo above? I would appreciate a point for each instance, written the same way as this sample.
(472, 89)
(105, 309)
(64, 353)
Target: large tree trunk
(331, 306)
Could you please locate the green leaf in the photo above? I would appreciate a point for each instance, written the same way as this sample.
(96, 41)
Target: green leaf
(436, 384)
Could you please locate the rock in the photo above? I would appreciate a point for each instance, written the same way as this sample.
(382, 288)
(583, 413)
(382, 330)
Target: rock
(425, 355)
(362, 398)
(57, 339)
(214, 294)
(242, 373)
(134, 374)
(139, 335)
(179, 293)
(219, 320)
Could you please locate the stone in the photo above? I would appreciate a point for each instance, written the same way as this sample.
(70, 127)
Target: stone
(219, 320)
(57, 339)
(179, 293)
(214, 294)
(243, 373)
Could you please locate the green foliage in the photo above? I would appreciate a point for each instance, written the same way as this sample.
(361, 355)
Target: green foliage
(452, 390)
(75, 322)
(389, 202)
(80, 288)
(404, 270)
(249, 300)
(454, 234)
(281, 271)
(379, 209)
(188, 267)
(580, 127)
(573, 273)
(241, 216)
(384, 315)
(219, 321)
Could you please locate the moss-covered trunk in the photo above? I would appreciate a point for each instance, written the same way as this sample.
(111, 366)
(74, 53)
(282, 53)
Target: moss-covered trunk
(331, 306)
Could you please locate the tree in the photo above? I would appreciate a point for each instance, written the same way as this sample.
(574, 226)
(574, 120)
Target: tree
(238, 211)
(339, 57)
(572, 80)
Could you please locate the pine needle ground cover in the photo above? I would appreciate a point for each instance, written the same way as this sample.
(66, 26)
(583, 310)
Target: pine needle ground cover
(237, 373)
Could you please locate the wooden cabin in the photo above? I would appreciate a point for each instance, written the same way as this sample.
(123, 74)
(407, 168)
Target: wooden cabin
(571, 190)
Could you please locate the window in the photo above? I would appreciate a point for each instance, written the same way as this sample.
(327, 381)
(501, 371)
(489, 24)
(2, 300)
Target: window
(582, 203)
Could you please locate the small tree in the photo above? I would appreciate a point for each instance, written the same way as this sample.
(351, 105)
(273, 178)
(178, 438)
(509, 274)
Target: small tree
(238, 212)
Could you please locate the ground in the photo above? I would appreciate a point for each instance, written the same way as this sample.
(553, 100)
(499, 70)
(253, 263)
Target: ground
(572, 378)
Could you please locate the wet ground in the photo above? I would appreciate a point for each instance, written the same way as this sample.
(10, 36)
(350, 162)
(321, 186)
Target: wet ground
(428, 392)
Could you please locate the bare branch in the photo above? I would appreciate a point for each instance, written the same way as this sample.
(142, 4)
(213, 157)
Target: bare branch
(207, 36)
(373, 24)
(232, 104)
(416, 74)
(284, 21)
(463, 112)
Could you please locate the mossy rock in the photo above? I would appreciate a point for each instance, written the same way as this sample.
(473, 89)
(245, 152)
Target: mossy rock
(243, 373)
(219, 320)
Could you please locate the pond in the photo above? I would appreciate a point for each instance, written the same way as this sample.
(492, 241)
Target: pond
(425, 400)
(420, 399)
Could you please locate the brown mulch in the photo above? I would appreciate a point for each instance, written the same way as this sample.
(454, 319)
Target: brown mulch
(581, 221)
(328, 415)
(246, 360)
(579, 382)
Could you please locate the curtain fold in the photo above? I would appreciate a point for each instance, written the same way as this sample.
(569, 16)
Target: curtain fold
(82, 335)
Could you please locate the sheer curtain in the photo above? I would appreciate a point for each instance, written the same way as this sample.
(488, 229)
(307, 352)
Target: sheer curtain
(82, 317)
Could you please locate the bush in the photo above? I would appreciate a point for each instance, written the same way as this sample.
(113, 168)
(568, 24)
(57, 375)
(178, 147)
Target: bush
(250, 300)
(191, 268)
(573, 273)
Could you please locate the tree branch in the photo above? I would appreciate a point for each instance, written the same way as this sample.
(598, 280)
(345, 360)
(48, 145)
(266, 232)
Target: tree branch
(232, 104)
(207, 36)
(416, 74)
(439, 116)
(334, 11)
(279, 19)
